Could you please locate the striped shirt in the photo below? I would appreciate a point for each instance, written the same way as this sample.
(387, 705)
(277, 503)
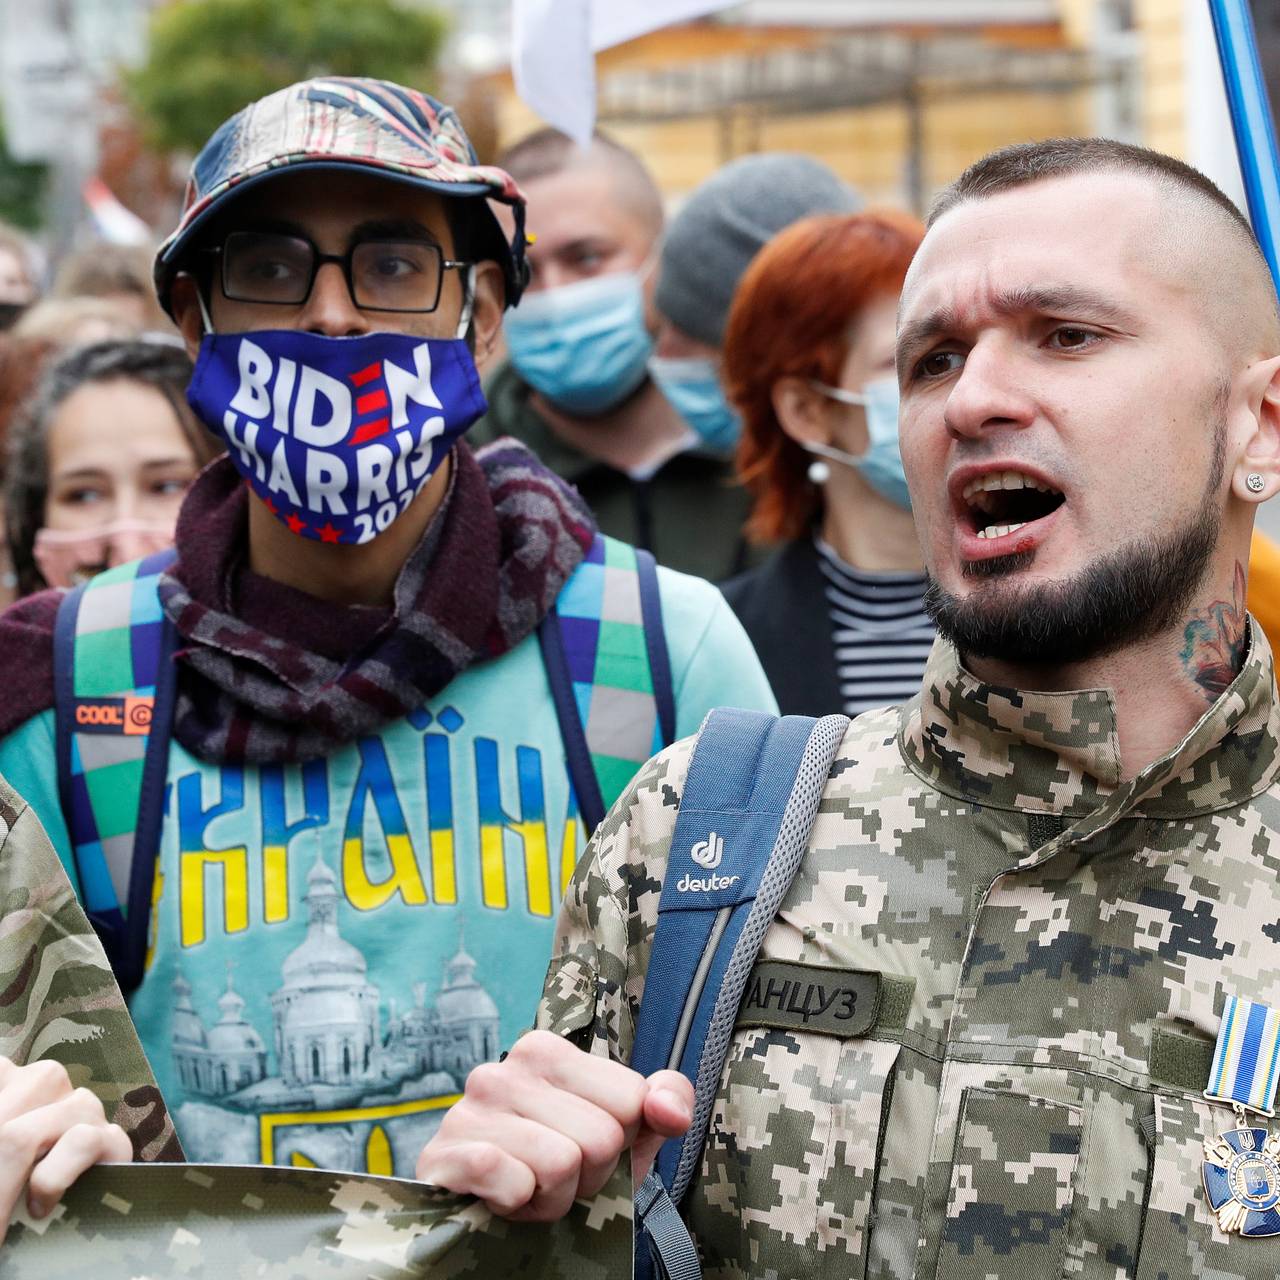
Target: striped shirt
(881, 633)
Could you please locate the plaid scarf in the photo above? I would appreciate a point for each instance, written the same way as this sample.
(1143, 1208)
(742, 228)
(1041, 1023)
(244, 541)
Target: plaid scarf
(268, 674)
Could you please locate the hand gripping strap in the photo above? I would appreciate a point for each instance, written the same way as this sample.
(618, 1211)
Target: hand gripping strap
(749, 802)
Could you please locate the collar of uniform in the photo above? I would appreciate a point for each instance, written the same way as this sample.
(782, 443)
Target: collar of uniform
(1059, 752)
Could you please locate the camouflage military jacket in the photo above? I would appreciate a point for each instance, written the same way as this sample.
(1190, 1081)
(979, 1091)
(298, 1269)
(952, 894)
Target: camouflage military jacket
(1051, 948)
(58, 999)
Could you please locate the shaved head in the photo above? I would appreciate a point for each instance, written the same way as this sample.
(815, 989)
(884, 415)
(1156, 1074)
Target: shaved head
(1194, 237)
(1089, 364)
(549, 152)
(1221, 266)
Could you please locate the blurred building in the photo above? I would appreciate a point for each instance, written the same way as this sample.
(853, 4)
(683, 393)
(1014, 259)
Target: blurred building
(896, 95)
(59, 63)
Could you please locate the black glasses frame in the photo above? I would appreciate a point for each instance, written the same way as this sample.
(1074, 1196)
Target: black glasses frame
(343, 260)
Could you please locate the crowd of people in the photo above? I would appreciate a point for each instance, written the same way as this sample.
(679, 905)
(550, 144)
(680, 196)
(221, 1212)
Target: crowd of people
(377, 553)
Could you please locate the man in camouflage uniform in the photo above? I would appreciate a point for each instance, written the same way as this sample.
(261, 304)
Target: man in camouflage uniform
(75, 1086)
(1050, 894)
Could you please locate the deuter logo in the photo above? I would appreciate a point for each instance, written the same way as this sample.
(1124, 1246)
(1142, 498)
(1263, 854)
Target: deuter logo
(687, 884)
(708, 853)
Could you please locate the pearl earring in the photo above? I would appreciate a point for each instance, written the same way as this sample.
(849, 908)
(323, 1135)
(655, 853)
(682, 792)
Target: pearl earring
(819, 472)
(1255, 482)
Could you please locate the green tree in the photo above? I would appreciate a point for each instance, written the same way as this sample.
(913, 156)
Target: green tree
(208, 58)
(22, 190)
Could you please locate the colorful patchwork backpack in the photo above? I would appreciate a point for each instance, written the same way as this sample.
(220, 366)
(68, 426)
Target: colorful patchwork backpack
(603, 647)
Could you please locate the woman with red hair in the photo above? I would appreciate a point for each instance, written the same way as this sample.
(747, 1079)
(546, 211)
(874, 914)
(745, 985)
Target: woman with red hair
(836, 613)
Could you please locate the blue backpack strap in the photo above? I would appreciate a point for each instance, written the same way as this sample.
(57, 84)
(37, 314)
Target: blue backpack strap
(749, 802)
(577, 755)
(605, 653)
(114, 683)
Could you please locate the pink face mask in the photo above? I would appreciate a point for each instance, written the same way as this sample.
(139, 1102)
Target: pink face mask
(67, 557)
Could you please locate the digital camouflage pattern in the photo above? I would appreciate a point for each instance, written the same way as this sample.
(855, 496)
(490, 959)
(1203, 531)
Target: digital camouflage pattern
(58, 999)
(1053, 924)
(224, 1222)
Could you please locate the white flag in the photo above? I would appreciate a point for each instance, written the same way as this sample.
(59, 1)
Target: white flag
(555, 42)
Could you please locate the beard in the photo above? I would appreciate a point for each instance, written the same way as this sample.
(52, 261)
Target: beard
(1136, 592)
(1139, 590)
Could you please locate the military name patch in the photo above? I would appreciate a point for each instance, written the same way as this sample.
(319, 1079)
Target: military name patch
(810, 997)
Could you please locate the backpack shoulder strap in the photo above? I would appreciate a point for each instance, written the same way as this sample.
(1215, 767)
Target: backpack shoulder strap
(113, 695)
(606, 657)
(746, 811)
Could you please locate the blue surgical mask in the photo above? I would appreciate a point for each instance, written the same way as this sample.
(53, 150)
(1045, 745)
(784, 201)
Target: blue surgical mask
(692, 386)
(337, 436)
(881, 465)
(583, 346)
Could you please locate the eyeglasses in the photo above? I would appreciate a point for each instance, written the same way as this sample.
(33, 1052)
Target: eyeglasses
(382, 275)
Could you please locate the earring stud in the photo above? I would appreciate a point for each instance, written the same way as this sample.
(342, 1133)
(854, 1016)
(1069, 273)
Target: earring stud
(1255, 482)
(819, 473)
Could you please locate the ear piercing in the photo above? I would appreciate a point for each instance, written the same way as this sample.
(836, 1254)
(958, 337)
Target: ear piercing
(1255, 482)
(819, 472)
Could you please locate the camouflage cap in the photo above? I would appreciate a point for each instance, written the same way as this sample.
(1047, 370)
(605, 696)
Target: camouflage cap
(342, 123)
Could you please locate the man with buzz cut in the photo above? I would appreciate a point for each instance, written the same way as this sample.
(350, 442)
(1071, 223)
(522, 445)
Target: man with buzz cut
(321, 778)
(1043, 896)
(576, 388)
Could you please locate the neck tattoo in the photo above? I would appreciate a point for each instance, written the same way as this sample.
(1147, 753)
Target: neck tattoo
(1213, 641)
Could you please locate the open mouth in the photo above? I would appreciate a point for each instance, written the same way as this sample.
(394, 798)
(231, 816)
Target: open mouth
(1002, 502)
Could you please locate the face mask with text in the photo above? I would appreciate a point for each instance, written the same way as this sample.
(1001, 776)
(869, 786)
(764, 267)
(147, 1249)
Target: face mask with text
(337, 436)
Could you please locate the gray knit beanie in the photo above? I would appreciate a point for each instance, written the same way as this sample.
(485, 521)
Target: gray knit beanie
(726, 221)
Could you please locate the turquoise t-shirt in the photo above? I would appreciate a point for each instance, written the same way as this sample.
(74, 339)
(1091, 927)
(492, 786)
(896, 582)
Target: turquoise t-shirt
(336, 944)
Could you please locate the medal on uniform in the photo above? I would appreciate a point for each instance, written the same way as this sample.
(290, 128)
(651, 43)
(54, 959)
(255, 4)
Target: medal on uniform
(1241, 1168)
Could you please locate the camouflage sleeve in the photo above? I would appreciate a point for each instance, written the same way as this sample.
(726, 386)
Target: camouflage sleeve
(610, 911)
(58, 998)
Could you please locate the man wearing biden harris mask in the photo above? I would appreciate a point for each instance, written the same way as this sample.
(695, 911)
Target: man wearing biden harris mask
(310, 777)
(577, 388)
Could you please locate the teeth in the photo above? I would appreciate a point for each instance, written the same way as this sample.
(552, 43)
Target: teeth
(1003, 480)
(999, 530)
